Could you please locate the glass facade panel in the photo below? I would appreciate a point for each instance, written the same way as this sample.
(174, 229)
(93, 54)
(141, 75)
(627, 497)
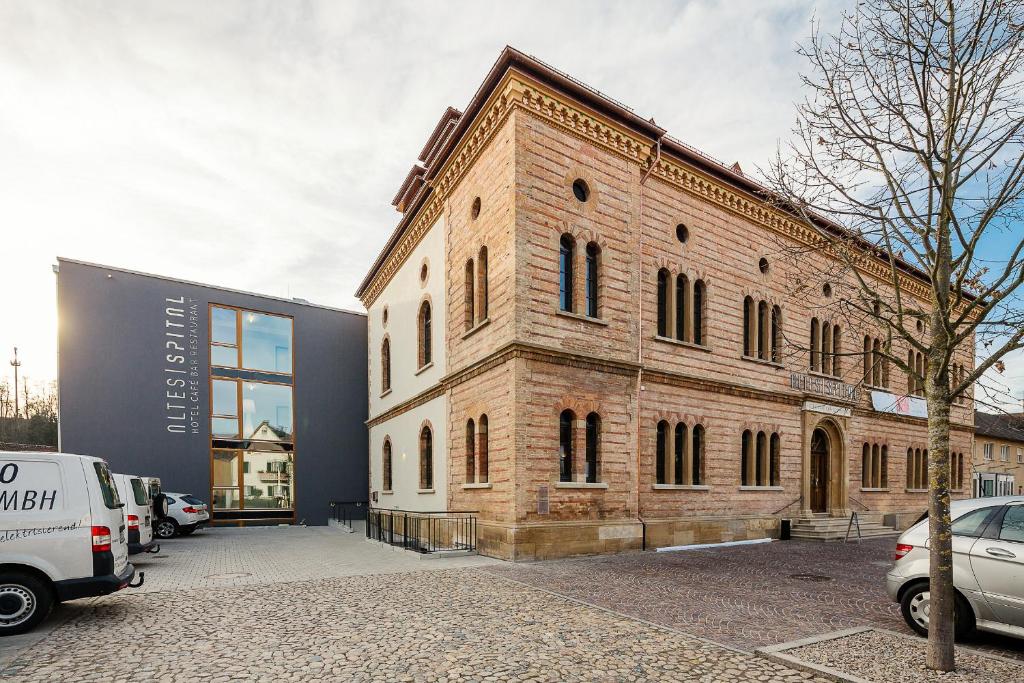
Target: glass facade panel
(266, 342)
(225, 499)
(225, 468)
(224, 427)
(223, 326)
(267, 483)
(266, 411)
(225, 397)
(224, 356)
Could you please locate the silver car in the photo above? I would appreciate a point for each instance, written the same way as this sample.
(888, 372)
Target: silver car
(988, 568)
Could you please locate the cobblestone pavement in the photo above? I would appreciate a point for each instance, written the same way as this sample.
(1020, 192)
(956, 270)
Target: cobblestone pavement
(744, 596)
(380, 617)
(450, 625)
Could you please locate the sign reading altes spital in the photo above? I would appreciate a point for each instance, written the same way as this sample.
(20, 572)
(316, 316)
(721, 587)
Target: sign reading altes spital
(181, 365)
(823, 386)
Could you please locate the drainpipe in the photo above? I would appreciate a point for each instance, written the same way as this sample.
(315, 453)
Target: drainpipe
(640, 335)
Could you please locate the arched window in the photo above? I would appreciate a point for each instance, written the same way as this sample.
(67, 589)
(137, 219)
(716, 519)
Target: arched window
(883, 468)
(836, 351)
(593, 254)
(385, 365)
(424, 334)
(682, 293)
(663, 284)
(775, 460)
(699, 292)
(749, 325)
(776, 334)
(481, 284)
(483, 451)
(746, 459)
(661, 454)
(679, 455)
(470, 451)
(868, 359)
(470, 296)
(426, 459)
(566, 423)
(815, 345)
(762, 330)
(386, 465)
(697, 456)
(865, 466)
(826, 348)
(761, 474)
(565, 272)
(910, 468)
(911, 380)
(593, 438)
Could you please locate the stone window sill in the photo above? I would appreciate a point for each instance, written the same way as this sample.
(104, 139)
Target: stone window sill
(871, 489)
(761, 488)
(680, 487)
(424, 368)
(485, 485)
(424, 490)
(384, 394)
(917, 490)
(581, 317)
(761, 361)
(680, 342)
(581, 485)
(387, 493)
(875, 387)
(825, 375)
(476, 328)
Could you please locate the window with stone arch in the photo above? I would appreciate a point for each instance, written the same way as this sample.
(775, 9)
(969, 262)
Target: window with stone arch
(876, 364)
(483, 448)
(566, 270)
(591, 279)
(661, 468)
(682, 308)
(426, 458)
(424, 335)
(482, 288)
(385, 365)
(386, 482)
(593, 448)
(566, 429)
(874, 466)
(917, 469)
(679, 454)
(470, 295)
(700, 295)
(956, 474)
(762, 330)
(760, 459)
(663, 296)
(470, 451)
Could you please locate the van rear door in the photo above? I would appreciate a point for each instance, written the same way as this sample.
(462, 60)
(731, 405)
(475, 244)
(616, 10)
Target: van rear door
(108, 512)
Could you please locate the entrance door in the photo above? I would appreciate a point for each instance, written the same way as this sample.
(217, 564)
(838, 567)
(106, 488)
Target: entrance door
(819, 471)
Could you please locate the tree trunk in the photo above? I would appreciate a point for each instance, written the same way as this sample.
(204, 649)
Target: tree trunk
(942, 599)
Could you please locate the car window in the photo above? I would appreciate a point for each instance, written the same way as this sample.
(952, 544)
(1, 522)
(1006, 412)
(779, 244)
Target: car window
(973, 523)
(192, 500)
(110, 497)
(1013, 524)
(140, 492)
(170, 501)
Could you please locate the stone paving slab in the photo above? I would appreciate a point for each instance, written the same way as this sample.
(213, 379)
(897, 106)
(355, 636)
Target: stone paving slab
(448, 625)
(744, 596)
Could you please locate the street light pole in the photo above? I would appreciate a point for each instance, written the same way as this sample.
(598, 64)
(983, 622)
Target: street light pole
(16, 364)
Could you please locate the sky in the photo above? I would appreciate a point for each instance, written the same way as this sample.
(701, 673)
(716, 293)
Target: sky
(258, 145)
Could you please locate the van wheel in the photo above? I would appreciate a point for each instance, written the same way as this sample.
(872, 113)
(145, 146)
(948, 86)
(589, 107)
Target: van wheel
(916, 608)
(165, 528)
(24, 602)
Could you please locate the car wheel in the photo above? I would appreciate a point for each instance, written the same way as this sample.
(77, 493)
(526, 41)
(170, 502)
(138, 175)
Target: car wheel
(165, 528)
(916, 608)
(24, 602)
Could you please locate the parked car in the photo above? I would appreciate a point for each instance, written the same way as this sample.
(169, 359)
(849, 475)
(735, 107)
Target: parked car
(988, 568)
(185, 514)
(138, 513)
(62, 535)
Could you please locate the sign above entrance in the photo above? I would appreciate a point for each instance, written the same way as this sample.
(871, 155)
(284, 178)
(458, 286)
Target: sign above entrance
(911, 406)
(822, 386)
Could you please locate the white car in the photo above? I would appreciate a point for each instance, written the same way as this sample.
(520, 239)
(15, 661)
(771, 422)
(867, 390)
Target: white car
(62, 535)
(988, 568)
(138, 512)
(185, 514)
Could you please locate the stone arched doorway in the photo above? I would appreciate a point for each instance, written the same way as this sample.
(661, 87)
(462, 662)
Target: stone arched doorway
(825, 470)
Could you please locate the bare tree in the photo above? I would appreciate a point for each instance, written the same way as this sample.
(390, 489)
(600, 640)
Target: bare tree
(910, 143)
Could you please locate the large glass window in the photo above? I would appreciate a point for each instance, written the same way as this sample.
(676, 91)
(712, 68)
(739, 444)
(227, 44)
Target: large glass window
(224, 326)
(266, 342)
(266, 411)
(267, 485)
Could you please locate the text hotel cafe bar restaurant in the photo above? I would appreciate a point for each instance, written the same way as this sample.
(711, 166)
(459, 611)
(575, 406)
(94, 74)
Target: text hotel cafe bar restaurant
(254, 403)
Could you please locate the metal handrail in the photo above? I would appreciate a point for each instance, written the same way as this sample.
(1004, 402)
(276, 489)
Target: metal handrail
(866, 508)
(423, 532)
(795, 500)
(341, 511)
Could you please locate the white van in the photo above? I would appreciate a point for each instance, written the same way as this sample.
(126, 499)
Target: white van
(138, 513)
(62, 535)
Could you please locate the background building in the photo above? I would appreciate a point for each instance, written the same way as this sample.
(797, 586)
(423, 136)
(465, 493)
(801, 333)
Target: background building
(252, 402)
(998, 454)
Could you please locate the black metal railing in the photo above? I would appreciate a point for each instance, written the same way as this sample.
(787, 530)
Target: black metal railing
(345, 512)
(423, 532)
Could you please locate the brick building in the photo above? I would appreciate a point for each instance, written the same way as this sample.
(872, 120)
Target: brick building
(598, 338)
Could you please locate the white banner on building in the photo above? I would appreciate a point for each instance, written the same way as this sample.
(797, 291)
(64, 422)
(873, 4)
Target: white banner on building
(911, 406)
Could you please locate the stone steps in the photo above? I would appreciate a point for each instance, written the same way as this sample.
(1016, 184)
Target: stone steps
(824, 528)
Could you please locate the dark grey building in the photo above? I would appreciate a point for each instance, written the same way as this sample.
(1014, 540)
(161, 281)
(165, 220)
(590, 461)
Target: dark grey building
(252, 402)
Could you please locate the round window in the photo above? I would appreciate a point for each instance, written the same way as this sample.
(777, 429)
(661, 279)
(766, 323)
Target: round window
(475, 211)
(682, 234)
(423, 273)
(762, 265)
(581, 190)
(826, 289)
(384, 317)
